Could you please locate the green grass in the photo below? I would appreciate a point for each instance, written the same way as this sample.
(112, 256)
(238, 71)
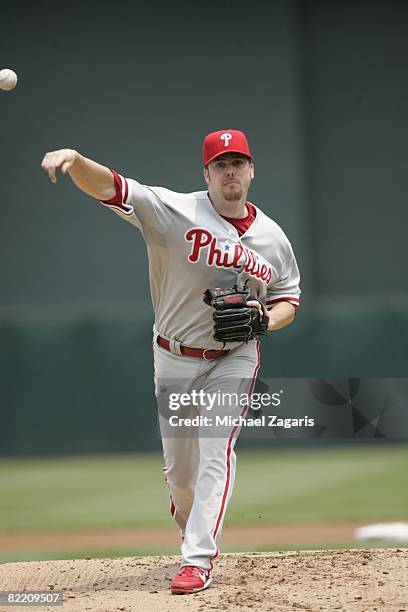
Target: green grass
(343, 483)
(281, 486)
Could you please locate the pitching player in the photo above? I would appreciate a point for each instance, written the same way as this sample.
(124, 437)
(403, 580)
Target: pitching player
(211, 241)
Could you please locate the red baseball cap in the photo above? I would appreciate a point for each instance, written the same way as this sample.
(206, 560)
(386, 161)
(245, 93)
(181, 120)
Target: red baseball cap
(224, 141)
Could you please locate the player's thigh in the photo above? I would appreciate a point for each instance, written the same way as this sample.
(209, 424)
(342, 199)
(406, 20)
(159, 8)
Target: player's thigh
(231, 382)
(242, 363)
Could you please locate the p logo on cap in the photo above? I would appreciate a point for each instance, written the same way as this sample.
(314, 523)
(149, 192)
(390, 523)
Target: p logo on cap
(223, 141)
(226, 137)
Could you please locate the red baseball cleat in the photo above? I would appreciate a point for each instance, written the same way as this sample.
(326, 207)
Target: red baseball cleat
(191, 579)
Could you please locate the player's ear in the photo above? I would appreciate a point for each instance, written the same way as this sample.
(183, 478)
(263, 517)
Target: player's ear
(206, 175)
(252, 170)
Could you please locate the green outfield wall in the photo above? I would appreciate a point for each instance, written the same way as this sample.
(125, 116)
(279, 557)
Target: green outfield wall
(83, 383)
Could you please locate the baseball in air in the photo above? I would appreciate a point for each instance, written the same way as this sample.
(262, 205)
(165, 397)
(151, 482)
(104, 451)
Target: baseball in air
(8, 79)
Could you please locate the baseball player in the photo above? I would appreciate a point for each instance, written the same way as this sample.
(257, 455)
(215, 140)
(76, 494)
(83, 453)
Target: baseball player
(222, 273)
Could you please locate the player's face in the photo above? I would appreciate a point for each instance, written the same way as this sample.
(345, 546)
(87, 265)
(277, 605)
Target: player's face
(229, 176)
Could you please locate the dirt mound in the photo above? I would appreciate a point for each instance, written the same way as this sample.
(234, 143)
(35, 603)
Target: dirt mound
(309, 580)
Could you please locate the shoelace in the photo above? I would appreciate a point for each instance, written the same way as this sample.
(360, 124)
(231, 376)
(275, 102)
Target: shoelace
(190, 570)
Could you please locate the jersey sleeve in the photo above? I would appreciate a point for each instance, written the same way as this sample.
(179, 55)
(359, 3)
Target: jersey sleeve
(285, 287)
(137, 204)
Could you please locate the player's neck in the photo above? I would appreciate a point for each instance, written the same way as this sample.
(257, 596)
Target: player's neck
(234, 210)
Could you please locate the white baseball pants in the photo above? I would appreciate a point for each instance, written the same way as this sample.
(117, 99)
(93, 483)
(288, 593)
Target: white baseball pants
(200, 469)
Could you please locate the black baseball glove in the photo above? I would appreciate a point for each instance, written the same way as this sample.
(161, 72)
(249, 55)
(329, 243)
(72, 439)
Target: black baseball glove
(234, 320)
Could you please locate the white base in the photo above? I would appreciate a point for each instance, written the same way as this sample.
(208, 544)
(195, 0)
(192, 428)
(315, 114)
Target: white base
(391, 532)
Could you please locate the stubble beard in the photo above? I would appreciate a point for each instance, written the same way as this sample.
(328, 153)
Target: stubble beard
(233, 196)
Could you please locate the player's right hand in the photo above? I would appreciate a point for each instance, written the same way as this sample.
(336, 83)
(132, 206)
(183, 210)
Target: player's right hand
(63, 158)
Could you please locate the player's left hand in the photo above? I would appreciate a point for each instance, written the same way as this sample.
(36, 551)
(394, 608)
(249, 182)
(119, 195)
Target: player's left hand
(256, 304)
(238, 316)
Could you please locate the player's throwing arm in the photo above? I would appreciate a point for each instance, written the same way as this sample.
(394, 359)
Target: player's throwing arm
(92, 178)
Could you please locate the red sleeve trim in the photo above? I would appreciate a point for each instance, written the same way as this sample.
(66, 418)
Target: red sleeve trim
(118, 202)
(293, 300)
(117, 199)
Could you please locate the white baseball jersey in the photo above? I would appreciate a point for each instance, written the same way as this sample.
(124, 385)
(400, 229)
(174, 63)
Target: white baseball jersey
(191, 247)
